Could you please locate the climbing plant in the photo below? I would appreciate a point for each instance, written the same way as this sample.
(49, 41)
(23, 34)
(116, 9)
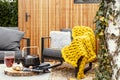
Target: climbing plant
(105, 13)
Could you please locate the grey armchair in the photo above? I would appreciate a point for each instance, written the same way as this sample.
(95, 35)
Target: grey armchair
(55, 54)
(18, 53)
(10, 41)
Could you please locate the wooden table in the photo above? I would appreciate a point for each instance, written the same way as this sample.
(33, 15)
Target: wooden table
(12, 72)
(40, 76)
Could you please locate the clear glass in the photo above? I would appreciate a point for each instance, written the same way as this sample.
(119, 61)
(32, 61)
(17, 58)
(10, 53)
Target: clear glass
(9, 58)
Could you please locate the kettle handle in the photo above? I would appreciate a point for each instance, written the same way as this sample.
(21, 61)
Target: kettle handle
(23, 50)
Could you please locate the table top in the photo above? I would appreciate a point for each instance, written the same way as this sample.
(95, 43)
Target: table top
(40, 76)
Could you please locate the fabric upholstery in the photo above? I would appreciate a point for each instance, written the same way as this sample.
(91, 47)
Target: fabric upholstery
(17, 54)
(9, 39)
(60, 39)
(53, 53)
(67, 30)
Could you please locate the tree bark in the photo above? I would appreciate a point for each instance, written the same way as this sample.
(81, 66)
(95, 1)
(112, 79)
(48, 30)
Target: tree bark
(113, 43)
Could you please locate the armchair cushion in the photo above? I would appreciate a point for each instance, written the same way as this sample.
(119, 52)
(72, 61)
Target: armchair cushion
(60, 39)
(9, 39)
(17, 54)
(55, 53)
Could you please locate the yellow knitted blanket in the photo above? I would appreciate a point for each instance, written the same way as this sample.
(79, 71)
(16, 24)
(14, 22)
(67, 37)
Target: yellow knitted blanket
(83, 44)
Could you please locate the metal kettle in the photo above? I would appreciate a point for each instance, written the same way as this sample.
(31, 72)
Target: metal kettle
(30, 60)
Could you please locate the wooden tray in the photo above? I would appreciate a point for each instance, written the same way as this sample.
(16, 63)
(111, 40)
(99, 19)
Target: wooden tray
(12, 72)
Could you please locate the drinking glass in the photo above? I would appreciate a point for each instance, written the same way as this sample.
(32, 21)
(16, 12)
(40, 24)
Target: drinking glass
(9, 58)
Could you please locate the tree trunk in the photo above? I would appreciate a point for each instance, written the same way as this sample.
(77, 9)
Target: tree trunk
(113, 43)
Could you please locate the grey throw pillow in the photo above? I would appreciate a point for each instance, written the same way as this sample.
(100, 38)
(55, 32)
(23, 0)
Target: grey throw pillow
(60, 39)
(10, 39)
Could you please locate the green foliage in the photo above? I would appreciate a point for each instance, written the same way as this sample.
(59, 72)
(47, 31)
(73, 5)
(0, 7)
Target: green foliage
(104, 14)
(8, 13)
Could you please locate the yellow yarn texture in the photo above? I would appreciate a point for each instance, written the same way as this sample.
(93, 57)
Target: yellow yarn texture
(83, 44)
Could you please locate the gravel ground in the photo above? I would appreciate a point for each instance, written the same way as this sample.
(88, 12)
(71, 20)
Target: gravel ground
(67, 72)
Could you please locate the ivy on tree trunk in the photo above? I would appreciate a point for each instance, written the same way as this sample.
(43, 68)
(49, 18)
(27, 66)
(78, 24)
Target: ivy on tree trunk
(106, 13)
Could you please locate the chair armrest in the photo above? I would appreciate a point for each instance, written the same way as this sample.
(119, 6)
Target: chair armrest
(42, 42)
(27, 44)
(42, 47)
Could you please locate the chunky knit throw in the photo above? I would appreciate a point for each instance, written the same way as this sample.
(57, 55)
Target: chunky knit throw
(83, 44)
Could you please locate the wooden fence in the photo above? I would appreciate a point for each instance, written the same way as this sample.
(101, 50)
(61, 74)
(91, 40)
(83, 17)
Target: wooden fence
(38, 17)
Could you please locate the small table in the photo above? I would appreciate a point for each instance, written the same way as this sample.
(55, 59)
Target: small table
(12, 72)
(40, 76)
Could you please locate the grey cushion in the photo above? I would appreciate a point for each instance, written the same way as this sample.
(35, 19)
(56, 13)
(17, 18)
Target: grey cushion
(59, 39)
(52, 53)
(67, 30)
(9, 39)
(17, 54)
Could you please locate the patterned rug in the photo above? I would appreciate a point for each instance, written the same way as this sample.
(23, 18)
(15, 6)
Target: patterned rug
(67, 72)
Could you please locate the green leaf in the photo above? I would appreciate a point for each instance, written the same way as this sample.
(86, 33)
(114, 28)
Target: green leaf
(100, 13)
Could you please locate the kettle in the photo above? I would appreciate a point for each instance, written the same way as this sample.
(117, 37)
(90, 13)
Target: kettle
(30, 60)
